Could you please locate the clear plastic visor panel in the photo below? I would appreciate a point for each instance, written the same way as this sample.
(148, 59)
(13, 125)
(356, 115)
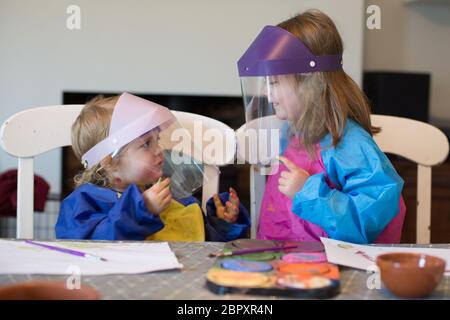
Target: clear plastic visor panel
(167, 151)
(261, 142)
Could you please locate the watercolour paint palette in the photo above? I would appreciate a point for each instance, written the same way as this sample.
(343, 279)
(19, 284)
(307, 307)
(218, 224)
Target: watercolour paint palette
(301, 272)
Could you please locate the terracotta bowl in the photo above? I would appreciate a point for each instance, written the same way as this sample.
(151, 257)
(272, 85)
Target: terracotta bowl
(46, 290)
(410, 275)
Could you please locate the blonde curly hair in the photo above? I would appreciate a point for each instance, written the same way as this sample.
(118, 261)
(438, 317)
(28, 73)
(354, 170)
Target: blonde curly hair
(91, 127)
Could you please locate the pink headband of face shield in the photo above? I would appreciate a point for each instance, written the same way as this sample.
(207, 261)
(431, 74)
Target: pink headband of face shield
(131, 118)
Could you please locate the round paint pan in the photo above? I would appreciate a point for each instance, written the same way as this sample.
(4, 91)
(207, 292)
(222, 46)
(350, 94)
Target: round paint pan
(245, 265)
(304, 268)
(229, 278)
(260, 256)
(305, 257)
(296, 282)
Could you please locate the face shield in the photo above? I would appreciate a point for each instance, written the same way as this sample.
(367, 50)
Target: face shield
(269, 72)
(147, 144)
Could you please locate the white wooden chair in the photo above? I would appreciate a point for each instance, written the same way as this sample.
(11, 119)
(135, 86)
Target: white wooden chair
(34, 131)
(421, 143)
(417, 141)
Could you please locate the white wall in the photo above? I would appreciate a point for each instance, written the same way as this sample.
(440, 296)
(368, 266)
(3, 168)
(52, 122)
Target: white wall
(163, 46)
(414, 36)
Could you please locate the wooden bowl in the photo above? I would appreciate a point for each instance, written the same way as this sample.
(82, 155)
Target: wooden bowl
(46, 290)
(410, 275)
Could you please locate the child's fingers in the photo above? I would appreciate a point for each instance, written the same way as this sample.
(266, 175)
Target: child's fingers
(232, 210)
(233, 197)
(165, 183)
(233, 193)
(155, 188)
(230, 217)
(282, 189)
(217, 201)
(285, 174)
(220, 212)
(161, 185)
(229, 207)
(282, 181)
(167, 200)
(164, 193)
(226, 216)
(288, 163)
(235, 202)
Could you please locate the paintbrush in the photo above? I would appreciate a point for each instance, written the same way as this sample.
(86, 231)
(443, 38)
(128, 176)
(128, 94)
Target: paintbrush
(66, 250)
(248, 251)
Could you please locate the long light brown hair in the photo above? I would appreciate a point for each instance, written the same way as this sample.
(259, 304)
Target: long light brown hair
(91, 127)
(327, 98)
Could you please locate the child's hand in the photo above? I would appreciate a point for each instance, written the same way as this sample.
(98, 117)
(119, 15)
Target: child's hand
(158, 197)
(292, 180)
(230, 212)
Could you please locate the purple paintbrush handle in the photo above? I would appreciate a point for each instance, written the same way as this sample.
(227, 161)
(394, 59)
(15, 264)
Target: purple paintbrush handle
(247, 251)
(69, 251)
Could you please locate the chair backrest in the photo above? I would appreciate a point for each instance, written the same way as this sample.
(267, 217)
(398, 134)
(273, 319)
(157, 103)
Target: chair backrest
(417, 141)
(421, 143)
(29, 133)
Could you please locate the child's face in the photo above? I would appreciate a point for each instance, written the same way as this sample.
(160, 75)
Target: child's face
(143, 160)
(284, 95)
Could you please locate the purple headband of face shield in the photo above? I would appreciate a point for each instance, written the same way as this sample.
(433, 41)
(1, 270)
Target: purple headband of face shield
(276, 51)
(131, 118)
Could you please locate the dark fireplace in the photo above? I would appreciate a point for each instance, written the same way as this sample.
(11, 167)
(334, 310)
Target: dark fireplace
(227, 109)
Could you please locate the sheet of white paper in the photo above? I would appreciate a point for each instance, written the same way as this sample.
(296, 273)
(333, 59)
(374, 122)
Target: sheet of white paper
(18, 257)
(364, 257)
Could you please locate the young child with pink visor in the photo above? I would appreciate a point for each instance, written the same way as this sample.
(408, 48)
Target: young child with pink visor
(121, 194)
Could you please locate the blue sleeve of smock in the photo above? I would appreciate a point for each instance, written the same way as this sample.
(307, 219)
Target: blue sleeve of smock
(368, 193)
(95, 213)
